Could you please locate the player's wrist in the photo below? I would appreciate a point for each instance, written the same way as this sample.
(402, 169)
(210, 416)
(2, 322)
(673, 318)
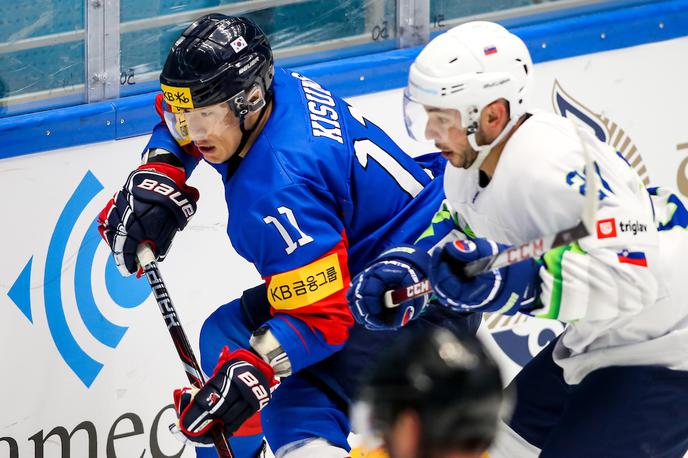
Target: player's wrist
(415, 257)
(250, 357)
(161, 155)
(264, 343)
(175, 173)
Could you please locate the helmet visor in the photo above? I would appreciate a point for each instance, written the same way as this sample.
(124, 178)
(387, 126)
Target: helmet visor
(191, 125)
(187, 125)
(429, 124)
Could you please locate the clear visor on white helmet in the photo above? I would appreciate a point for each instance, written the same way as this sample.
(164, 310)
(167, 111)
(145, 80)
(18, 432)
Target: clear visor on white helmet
(187, 125)
(429, 124)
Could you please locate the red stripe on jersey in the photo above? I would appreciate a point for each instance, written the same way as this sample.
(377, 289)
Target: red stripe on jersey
(296, 331)
(329, 315)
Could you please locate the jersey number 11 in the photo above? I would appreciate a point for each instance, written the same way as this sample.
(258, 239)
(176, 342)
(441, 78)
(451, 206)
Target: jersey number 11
(291, 244)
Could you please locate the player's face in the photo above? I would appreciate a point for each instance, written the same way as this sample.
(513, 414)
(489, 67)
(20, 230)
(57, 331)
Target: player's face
(403, 440)
(444, 128)
(214, 129)
(216, 133)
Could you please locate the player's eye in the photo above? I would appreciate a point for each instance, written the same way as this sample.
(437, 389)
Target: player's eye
(443, 120)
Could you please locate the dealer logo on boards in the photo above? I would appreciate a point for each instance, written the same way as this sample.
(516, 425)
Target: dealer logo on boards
(59, 262)
(519, 336)
(604, 129)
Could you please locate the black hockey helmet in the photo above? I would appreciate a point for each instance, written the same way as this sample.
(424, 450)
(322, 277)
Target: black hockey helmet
(447, 378)
(216, 59)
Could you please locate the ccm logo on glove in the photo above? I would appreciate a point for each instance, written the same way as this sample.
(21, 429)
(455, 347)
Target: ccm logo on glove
(168, 191)
(418, 288)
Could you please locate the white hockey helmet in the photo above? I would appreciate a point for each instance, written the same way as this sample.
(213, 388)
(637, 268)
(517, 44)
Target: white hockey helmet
(466, 69)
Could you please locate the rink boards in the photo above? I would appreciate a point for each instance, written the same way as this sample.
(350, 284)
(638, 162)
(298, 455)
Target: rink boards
(88, 364)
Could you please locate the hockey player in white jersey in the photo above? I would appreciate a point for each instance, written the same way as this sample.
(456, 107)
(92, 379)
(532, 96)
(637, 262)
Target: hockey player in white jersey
(615, 383)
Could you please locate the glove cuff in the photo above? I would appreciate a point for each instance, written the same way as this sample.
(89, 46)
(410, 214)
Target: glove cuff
(251, 358)
(416, 257)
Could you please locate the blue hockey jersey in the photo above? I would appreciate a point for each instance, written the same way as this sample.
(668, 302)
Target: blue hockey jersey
(320, 193)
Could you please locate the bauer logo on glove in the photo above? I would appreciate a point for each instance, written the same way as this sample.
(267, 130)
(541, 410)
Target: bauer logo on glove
(174, 195)
(239, 387)
(262, 395)
(152, 206)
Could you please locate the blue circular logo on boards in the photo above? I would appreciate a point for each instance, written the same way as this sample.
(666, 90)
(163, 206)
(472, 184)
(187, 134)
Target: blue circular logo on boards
(125, 292)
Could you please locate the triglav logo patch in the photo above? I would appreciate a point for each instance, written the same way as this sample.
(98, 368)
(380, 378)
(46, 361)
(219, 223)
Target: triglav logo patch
(606, 228)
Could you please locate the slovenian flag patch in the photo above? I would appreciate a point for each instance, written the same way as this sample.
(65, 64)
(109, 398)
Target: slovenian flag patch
(490, 50)
(632, 257)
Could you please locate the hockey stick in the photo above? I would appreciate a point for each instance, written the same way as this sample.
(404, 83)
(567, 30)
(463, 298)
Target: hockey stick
(181, 343)
(532, 249)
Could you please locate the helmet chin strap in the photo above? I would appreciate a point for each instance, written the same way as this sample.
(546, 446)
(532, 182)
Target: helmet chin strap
(484, 150)
(235, 159)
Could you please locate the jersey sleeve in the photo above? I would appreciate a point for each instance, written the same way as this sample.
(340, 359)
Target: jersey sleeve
(296, 240)
(598, 280)
(613, 272)
(161, 138)
(444, 227)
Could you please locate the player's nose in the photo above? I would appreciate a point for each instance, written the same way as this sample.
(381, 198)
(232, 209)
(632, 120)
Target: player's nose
(197, 132)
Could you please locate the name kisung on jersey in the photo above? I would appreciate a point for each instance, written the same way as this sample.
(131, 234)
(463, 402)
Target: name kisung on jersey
(324, 118)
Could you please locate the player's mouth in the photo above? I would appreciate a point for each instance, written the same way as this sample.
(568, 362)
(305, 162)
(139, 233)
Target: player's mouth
(206, 149)
(443, 149)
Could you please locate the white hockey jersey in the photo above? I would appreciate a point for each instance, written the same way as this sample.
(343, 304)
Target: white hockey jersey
(636, 312)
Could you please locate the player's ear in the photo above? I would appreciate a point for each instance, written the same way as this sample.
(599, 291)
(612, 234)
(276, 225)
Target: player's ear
(255, 94)
(497, 111)
(254, 97)
(496, 115)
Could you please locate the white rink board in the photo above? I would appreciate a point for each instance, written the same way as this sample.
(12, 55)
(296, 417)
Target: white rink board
(640, 89)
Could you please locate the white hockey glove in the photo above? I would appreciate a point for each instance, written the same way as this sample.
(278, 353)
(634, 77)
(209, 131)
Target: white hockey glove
(575, 286)
(564, 291)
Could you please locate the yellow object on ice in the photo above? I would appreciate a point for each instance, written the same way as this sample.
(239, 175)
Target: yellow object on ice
(360, 452)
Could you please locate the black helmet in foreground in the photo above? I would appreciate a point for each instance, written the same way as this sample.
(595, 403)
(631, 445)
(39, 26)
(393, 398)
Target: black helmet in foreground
(218, 58)
(448, 379)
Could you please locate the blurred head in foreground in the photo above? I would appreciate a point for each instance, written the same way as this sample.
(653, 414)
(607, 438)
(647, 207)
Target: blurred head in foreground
(435, 394)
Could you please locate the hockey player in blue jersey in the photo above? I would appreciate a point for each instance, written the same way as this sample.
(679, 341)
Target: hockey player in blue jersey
(314, 192)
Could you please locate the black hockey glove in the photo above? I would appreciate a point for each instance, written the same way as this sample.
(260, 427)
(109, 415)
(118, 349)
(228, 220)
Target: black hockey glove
(153, 205)
(239, 387)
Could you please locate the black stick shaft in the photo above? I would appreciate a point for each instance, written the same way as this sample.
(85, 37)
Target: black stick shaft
(181, 343)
